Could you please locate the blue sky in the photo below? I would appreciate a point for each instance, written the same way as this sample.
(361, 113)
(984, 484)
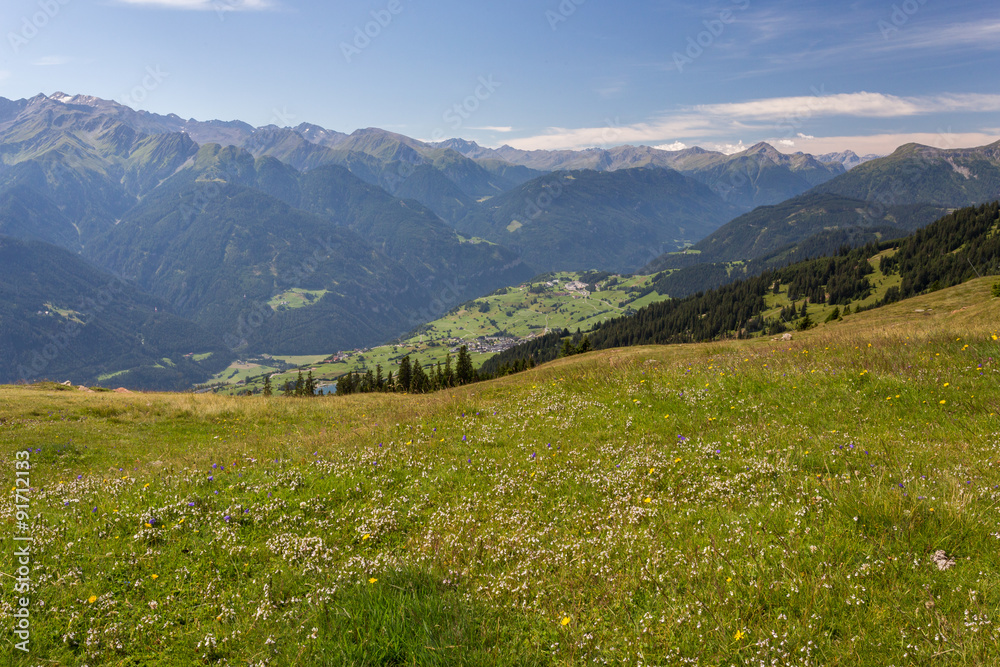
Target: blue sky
(804, 75)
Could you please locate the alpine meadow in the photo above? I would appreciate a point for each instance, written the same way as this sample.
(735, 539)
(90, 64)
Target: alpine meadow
(549, 334)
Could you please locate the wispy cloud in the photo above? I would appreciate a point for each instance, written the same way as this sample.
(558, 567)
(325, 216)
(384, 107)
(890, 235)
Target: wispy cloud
(204, 5)
(885, 45)
(52, 61)
(4, 74)
(494, 128)
(863, 104)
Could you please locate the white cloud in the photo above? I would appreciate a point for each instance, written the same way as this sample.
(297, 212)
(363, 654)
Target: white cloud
(52, 61)
(780, 117)
(676, 146)
(494, 128)
(788, 143)
(729, 149)
(204, 5)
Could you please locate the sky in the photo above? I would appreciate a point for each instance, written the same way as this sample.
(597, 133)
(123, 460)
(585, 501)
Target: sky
(804, 75)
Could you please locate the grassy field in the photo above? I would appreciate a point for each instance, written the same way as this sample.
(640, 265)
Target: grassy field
(738, 503)
(516, 312)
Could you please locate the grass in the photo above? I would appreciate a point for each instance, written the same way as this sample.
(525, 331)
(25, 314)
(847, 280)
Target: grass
(737, 503)
(296, 298)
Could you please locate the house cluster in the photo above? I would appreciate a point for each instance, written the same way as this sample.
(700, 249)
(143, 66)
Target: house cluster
(484, 344)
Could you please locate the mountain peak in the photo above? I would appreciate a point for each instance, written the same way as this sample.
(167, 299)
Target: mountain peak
(763, 148)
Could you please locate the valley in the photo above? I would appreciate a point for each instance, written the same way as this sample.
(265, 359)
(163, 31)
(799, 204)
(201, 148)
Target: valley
(492, 324)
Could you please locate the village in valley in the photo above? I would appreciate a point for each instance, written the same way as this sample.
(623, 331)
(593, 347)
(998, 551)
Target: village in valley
(486, 326)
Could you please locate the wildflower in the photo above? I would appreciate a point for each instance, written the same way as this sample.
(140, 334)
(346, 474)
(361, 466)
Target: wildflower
(648, 500)
(739, 635)
(92, 599)
(372, 580)
(366, 536)
(154, 576)
(565, 621)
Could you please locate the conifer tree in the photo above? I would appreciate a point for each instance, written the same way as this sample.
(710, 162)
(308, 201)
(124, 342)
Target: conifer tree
(464, 372)
(379, 381)
(267, 385)
(449, 374)
(405, 376)
(420, 382)
(806, 319)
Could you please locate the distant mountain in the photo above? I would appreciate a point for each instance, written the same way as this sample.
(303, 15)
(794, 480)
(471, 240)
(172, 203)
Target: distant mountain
(614, 221)
(757, 176)
(88, 164)
(849, 159)
(221, 259)
(226, 234)
(921, 174)
(906, 190)
(767, 229)
(63, 319)
(201, 227)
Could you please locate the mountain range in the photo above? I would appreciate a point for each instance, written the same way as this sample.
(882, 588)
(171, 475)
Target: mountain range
(306, 240)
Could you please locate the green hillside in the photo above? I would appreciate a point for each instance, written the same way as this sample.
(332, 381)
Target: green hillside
(615, 221)
(63, 319)
(829, 500)
(768, 229)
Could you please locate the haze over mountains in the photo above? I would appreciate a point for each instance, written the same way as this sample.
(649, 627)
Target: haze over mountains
(210, 223)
